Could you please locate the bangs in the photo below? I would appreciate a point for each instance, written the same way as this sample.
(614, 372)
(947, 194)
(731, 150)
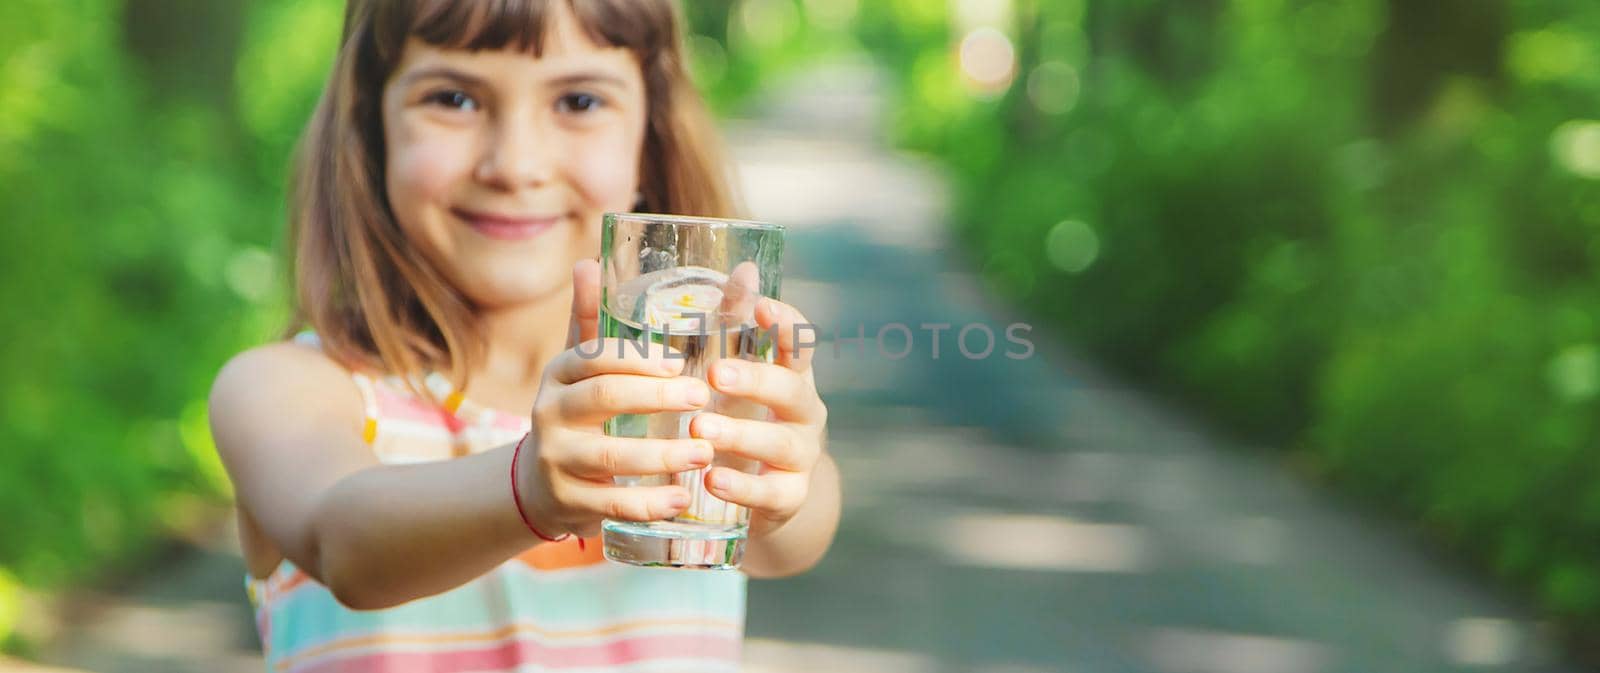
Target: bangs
(487, 24)
(523, 25)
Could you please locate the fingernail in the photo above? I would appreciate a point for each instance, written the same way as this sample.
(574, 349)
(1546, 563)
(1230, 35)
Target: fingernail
(708, 429)
(679, 500)
(727, 374)
(720, 480)
(696, 395)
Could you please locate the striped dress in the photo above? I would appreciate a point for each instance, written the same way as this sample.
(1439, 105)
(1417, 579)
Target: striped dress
(556, 607)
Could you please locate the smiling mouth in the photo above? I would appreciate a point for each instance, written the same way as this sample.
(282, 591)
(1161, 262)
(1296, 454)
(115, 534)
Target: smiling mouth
(506, 227)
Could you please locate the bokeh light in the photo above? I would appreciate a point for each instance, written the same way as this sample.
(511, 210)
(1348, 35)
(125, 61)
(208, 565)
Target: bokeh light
(1071, 246)
(252, 274)
(1576, 146)
(1574, 373)
(766, 23)
(707, 60)
(1549, 54)
(988, 61)
(1053, 87)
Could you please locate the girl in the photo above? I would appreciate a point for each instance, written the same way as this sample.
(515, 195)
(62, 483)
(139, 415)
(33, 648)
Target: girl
(450, 189)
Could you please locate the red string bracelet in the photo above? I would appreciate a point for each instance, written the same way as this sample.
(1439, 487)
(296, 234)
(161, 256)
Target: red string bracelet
(517, 497)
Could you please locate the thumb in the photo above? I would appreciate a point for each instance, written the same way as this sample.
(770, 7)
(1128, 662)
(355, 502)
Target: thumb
(585, 323)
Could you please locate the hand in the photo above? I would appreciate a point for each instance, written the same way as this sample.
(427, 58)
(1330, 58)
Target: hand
(788, 445)
(566, 468)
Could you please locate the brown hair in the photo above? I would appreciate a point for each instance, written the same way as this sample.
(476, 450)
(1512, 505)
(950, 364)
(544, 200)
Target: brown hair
(372, 298)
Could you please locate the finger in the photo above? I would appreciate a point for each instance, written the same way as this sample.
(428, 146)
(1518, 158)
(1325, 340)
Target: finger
(600, 397)
(740, 294)
(585, 324)
(631, 503)
(615, 356)
(796, 337)
(628, 456)
(790, 394)
(771, 443)
(775, 494)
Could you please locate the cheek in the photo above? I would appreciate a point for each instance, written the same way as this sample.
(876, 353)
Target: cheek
(423, 172)
(606, 171)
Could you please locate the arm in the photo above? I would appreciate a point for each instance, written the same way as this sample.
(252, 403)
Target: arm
(283, 417)
(378, 536)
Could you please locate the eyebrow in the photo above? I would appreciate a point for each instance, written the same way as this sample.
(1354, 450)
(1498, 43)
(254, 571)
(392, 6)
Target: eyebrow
(588, 77)
(568, 79)
(445, 72)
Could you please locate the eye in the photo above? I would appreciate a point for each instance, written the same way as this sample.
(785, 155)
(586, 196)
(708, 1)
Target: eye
(453, 99)
(579, 102)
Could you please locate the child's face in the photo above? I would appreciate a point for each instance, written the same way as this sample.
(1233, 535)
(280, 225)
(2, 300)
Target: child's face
(500, 165)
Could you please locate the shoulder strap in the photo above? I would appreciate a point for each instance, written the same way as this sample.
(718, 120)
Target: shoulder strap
(369, 402)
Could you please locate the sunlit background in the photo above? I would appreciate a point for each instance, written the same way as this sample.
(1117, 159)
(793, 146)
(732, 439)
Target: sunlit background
(1313, 285)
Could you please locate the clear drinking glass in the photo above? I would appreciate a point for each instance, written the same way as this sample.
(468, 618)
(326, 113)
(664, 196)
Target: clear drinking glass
(691, 283)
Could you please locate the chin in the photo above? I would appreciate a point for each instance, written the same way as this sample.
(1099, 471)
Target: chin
(506, 290)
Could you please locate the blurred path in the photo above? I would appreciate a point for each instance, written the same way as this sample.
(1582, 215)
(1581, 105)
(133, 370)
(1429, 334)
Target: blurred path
(1034, 515)
(193, 618)
(1002, 516)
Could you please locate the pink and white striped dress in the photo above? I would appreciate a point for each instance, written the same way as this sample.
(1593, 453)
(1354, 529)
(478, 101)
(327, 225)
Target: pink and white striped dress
(556, 607)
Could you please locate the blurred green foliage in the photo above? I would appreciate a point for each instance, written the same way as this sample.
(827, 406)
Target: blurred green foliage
(137, 257)
(1364, 230)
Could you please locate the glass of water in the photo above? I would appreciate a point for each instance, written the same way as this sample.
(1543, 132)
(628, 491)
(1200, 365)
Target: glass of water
(690, 283)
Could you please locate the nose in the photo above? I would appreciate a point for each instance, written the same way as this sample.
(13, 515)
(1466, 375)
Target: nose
(519, 155)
